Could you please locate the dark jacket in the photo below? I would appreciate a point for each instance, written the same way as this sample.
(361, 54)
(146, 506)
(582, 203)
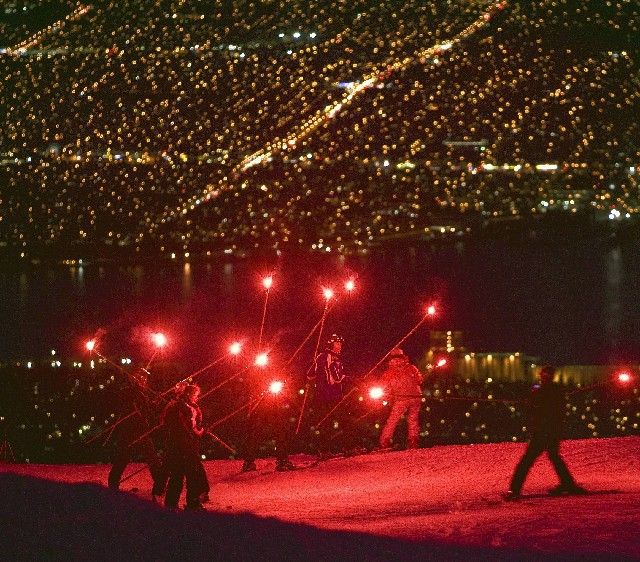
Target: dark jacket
(328, 374)
(547, 410)
(134, 399)
(181, 422)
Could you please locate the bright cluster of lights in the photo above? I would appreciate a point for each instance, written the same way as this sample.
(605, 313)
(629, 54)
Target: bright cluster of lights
(320, 119)
(41, 35)
(156, 130)
(328, 293)
(376, 392)
(624, 377)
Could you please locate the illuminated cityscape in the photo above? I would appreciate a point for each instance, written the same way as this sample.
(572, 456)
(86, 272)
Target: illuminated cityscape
(192, 127)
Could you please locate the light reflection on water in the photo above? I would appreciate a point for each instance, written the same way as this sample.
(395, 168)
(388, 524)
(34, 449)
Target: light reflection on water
(613, 296)
(187, 281)
(570, 300)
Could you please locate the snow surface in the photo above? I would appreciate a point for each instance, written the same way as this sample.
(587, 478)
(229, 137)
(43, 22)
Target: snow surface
(439, 503)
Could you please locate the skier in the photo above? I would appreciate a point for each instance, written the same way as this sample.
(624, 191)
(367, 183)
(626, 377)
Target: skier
(268, 419)
(401, 380)
(327, 374)
(547, 412)
(128, 432)
(182, 424)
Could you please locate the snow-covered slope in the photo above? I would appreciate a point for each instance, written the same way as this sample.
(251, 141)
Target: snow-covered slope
(443, 502)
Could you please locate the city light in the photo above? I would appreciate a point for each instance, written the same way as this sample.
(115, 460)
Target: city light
(503, 136)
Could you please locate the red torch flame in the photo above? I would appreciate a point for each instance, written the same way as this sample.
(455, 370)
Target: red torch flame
(261, 360)
(159, 339)
(276, 387)
(376, 392)
(624, 377)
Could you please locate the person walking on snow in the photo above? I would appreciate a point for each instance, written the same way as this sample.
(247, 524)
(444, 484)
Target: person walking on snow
(547, 402)
(402, 382)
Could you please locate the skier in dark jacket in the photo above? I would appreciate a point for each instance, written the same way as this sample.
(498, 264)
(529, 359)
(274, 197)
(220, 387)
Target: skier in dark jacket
(327, 374)
(182, 423)
(127, 434)
(547, 402)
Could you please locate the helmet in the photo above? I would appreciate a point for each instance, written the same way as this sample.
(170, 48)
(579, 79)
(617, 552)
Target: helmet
(334, 338)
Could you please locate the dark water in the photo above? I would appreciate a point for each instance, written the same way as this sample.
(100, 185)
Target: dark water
(567, 297)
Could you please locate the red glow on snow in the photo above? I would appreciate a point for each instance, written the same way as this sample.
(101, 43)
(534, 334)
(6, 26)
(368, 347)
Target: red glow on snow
(90, 345)
(376, 392)
(235, 348)
(261, 360)
(276, 387)
(159, 339)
